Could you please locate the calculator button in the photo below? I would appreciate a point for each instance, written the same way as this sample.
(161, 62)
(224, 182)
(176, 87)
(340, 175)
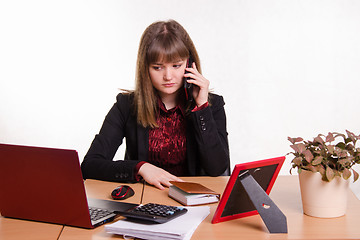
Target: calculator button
(155, 212)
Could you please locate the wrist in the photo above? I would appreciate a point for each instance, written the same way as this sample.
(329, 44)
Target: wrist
(198, 108)
(138, 176)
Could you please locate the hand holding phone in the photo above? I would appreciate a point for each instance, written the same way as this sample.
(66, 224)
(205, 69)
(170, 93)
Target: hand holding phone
(188, 86)
(197, 91)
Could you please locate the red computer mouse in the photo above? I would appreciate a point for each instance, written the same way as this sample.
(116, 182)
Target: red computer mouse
(122, 192)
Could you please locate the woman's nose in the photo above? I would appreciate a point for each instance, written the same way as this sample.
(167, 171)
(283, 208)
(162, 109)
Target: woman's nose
(167, 74)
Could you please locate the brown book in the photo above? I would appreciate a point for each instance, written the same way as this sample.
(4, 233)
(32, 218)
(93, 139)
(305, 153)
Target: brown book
(191, 193)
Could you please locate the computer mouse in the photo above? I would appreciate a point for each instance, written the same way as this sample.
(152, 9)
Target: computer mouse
(122, 192)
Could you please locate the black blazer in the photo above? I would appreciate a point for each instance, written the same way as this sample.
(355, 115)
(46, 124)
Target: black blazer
(206, 139)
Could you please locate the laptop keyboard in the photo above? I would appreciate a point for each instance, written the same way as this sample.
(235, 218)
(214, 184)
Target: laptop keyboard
(98, 213)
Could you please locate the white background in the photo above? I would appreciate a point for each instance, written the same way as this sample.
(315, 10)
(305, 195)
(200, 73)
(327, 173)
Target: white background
(284, 67)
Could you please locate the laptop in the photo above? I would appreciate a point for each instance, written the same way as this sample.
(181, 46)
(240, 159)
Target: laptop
(46, 185)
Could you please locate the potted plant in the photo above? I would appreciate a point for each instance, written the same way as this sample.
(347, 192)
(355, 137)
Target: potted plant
(325, 167)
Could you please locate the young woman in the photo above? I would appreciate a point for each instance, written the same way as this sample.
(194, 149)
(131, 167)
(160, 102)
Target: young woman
(166, 134)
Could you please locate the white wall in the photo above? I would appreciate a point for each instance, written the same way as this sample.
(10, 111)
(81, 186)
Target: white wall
(285, 67)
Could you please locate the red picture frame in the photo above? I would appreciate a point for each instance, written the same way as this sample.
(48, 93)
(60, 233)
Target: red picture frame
(235, 202)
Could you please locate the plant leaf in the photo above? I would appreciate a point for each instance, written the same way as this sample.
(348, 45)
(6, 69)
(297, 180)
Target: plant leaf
(331, 149)
(346, 174)
(294, 140)
(317, 160)
(341, 145)
(342, 154)
(351, 136)
(356, 175)
(319, 139)
(329, 137)
(349, 147)
(299, 147)
(297, 161)
(329, 173)
(311, 168)
(321, 169)
(308, 156)
(345, 161)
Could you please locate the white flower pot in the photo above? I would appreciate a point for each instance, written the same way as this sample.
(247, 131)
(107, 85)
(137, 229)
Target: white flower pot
(323, 199)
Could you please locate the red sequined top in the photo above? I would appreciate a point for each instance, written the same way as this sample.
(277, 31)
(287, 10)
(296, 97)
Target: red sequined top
(167, 143)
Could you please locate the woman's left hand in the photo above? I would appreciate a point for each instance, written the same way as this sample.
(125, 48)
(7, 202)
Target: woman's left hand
(200, 85)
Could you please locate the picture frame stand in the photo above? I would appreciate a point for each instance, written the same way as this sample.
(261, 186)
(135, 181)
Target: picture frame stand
(271, 215)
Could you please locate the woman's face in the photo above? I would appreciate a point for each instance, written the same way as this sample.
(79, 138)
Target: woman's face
(167, 78)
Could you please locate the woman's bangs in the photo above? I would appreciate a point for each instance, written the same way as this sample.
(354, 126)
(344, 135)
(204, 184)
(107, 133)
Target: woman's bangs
(167, 50)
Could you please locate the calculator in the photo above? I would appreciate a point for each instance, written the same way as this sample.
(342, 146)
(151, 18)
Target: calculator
(154, 213)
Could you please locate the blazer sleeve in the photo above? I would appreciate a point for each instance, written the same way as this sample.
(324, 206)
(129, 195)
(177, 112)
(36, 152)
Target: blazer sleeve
(212, 137)
(98, 162)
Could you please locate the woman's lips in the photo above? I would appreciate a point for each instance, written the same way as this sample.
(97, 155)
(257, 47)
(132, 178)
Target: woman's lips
(168, 84)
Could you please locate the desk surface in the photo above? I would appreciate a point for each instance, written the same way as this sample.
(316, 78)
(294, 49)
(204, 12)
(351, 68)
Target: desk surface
(14, 229)
(285, 194)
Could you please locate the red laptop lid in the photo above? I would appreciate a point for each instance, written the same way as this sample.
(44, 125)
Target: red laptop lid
(42, 184)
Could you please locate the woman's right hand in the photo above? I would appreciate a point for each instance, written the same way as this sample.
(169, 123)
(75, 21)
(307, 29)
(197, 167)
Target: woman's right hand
(157, 176)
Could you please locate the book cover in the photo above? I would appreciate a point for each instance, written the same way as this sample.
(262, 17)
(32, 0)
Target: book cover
(190, 193)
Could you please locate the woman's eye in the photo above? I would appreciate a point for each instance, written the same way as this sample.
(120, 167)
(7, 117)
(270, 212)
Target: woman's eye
(177, 65)
(156, 67)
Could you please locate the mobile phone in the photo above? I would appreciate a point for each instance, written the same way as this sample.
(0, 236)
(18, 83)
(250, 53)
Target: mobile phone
(188, 86)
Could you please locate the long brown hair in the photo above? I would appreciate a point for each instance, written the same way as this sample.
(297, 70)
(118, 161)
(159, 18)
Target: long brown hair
(164, 41)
